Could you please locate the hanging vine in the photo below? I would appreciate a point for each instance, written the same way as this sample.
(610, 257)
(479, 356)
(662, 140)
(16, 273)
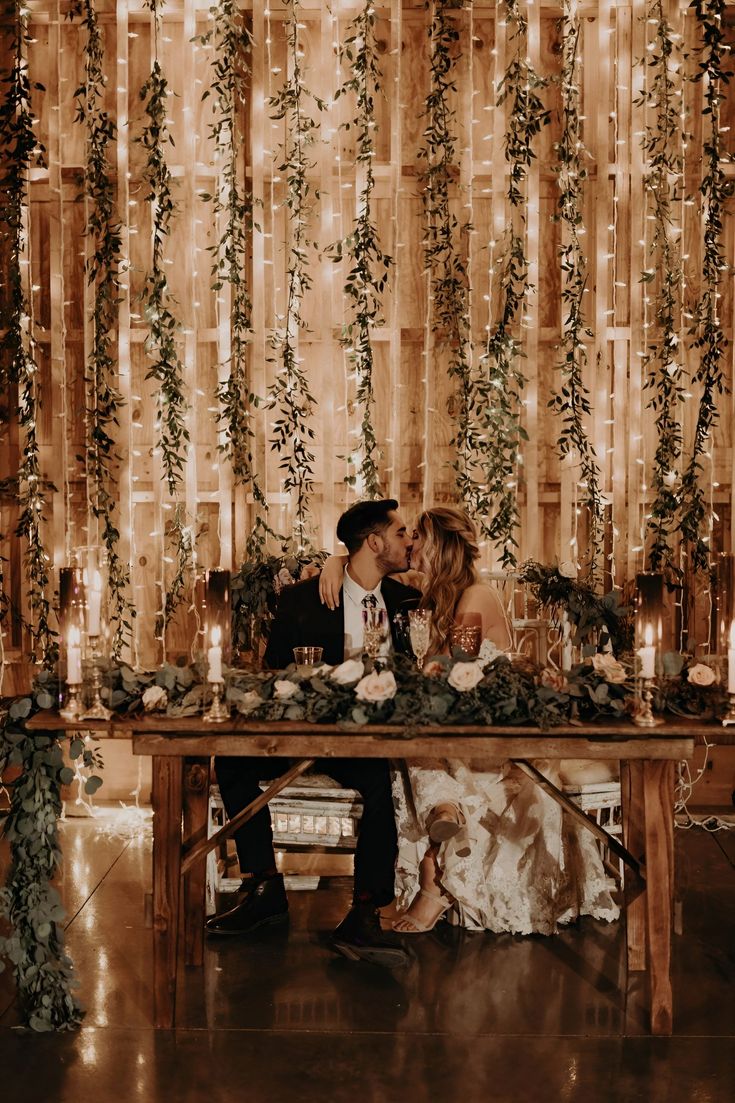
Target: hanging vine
(571, 401)
(444, 256)
(21, 150)
(180, 536)
(103, 272)
(368, 265)
(709, 337)
(232, 208)
(161, 343)
(661, 143)
(290, 393)
(498, 431)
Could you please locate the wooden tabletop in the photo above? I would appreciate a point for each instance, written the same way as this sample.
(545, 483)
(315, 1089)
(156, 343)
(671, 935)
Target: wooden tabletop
(240, 735)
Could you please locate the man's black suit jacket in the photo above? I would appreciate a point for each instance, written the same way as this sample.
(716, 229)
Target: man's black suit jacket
(302, 621)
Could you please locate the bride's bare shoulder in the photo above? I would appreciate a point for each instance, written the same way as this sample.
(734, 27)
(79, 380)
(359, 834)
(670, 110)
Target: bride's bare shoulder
(479, 593)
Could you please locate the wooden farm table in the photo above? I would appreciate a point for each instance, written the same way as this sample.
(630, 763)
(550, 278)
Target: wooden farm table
(181, 749)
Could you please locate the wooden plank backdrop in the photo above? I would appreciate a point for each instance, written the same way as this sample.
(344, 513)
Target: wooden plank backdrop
(414, 402)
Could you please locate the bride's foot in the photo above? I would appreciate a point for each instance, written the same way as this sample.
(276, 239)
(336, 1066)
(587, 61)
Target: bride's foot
(423, 914)
(446, 821)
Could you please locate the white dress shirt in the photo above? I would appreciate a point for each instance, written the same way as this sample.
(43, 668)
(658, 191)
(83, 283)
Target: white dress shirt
(352, 595)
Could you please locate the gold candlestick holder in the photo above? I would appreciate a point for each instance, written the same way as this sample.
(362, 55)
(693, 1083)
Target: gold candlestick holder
(644, 717)
(96, 710)
(74, 706)
(218, 711)
(729, 717)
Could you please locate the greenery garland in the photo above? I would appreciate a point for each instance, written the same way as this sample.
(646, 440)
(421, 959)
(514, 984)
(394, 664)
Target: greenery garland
(231, 42)
(180, 535)
(571, 401)
(709, 337)
(661, 143)
(290, 393)
(103, 271)
(29, 900)
(588, 612)
(443, 257)
(161, 343)
(21, 150)
(499, 389)
(369, 266)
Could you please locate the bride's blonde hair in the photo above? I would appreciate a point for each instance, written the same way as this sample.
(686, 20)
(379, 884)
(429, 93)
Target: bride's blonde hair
(449, 550)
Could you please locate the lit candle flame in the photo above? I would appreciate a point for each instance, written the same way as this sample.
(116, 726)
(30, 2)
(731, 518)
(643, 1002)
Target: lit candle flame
(216, 636)
(648, 635)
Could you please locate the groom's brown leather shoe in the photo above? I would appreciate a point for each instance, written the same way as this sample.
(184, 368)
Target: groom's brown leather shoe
(265, 904)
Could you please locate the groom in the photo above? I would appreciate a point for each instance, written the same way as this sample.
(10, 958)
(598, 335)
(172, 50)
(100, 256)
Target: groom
(378, 544)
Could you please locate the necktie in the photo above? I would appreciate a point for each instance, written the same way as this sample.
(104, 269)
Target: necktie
(369, 601)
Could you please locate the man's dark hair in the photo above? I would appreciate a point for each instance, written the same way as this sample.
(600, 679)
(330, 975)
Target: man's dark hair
(356, 523)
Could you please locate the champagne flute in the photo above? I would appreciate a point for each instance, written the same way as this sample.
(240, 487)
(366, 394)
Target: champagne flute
(419, 622)
(374, 624)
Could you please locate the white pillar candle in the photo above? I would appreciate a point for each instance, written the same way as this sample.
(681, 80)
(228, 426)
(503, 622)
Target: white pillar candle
(94, 603)
(74, 657)
(731, 661)
(214, 657)
(647, 654)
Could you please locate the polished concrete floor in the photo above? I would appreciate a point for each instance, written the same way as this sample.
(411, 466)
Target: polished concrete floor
(475, 1017)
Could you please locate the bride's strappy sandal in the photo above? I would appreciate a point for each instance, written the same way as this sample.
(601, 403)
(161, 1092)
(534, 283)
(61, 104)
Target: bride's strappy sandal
(406, 924)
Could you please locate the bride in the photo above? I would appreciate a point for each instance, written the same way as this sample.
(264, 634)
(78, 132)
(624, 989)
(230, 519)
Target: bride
(480, 840)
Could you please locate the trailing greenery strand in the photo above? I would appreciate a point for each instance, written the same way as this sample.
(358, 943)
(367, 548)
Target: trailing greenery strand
(662, 360)
(368, 265)
(20, 150)
(181, 537)
(161, 343)
(709, 337)
(571, 401)
(444, 255)
(499, 389)
(290, 393)
(103, 271)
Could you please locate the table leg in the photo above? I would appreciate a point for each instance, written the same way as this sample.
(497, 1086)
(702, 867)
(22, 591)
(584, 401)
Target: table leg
(196, 811)
(166, 798)
(658, 794)
(634, 838)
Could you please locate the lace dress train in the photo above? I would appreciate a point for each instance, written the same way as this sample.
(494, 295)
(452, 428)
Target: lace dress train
(517, 865)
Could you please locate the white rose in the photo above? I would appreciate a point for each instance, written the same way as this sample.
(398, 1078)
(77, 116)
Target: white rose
(701, 675)
(376, 687)
(609, 667)
(349, 671)
(553, 679)
(284, 577)
(567, 569)
(249, 701)
(155, 697)
(283, 689)
(464, 676)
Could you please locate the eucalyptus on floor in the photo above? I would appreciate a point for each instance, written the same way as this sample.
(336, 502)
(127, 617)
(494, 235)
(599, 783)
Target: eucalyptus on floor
(477, 1017)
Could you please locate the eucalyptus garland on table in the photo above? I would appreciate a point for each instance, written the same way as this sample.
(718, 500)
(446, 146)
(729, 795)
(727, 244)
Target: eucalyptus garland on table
(290, 392)
(21, 150)
(499, 390)
(161, 343)
(571, 401)
(232, 206)
(709, 337)
(29, 900)
(369, 266)
(443, 256)
(103, 271)
(662, 360)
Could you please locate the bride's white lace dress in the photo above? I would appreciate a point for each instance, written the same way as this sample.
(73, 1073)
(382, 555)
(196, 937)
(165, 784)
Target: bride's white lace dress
(519, 864)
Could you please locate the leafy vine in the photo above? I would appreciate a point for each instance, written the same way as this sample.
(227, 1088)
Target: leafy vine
(20, 150)
(709, 337)
(103, 271)
(180, 535)
(443, 255)
(290, 393)
(368, 264)
(161, 343)
(232, 204)
(571, 401)
(499, 389)
(661, 361)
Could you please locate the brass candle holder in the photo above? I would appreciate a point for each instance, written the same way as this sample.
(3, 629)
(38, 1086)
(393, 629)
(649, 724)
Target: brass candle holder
(218, 711)
(74, 706)
(644, 717)
(96, 709)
